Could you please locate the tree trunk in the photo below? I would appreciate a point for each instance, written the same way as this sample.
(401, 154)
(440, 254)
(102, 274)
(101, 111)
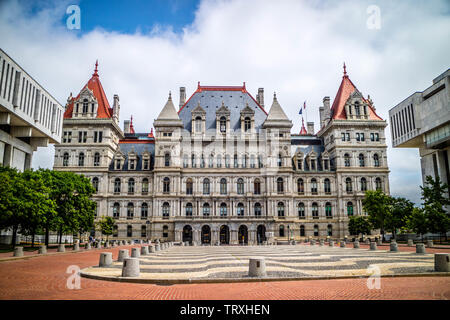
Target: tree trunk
(60, 235)
(46, 235)
(14, 236)
(32, 239)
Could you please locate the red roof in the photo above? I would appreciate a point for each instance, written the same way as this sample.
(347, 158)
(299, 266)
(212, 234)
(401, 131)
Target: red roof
(94, 84)
(345, 90)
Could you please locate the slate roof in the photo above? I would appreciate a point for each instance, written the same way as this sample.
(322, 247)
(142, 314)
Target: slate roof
(139, 143)
(210, 98)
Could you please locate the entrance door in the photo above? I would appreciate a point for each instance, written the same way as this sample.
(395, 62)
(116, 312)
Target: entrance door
(243, 235)
(224, 235)
(206, 235)
(261, 233)
(187, 234)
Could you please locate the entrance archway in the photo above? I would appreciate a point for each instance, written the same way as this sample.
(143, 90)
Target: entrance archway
(243, 235)
(187, 233)
(261, 233)
(206, 234)
(224, 235)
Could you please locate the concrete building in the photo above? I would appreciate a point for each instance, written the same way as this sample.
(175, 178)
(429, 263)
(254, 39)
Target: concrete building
(29, 116)
(220, 168)
(423, 121)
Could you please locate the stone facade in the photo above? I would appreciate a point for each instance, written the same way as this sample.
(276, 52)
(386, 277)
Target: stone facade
(221, 169)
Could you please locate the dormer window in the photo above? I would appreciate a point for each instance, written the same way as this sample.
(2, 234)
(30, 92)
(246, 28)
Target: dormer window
(247, 124)
(85, 106)
(132, 164)
(198, 125)
(357, 109)
(223, 124)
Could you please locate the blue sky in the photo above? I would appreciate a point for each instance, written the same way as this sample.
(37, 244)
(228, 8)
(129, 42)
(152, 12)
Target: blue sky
(294, 47)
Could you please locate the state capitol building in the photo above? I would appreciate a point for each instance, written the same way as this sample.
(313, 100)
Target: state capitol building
(223, 168)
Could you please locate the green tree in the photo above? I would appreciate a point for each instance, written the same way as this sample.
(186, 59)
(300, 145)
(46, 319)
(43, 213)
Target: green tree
(417, 222)
(106, 226)
(359, 224)
(434, 197)
(377, 205)
(396, 216)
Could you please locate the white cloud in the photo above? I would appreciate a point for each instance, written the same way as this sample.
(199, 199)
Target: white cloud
(295, 48)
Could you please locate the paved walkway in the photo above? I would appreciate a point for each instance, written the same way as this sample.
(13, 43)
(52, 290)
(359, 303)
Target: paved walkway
(45, 277)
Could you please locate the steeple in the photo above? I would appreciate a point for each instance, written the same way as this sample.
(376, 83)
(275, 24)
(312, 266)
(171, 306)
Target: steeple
(131, 125)
(303, 130)
(168, 116)
(95, 74)
(276, 116)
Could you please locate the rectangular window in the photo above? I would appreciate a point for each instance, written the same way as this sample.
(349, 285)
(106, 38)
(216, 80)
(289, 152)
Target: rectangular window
(357, 136)
(65, 137)
(372, 136)
(362, 136)
(80, 136)
(347, 135)
(84, 136)
(69, 137)
(343, 136)
(95, 136)
(377, 137)
(145, 164)
(100, 136)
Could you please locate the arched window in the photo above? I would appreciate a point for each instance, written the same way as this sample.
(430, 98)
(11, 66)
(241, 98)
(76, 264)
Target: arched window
(300, 186)
(144, 211)
(206, 210)
(376, 160)
(316, 230)
(257, 209)
(165, 231)
(252, 161)
(189, 209)
(315, 210)
(223, 186)
(189, 187)
(95, 183)
(143, 231)
(129, 231)
(330, 230)
(240, 186)
(65, 159)
(227, 161)
(349, 208)
(167, 160)
(193, 161)
(144, 185)
(363, 184)
(279, 160)
(211, 161)
(116, 210)
(131, 185)
(166, 185)
(223, 209)
(378, 185)
(313, 186)
(257, 186)
(81, 159)
(347, 160)
(117, 185)
(348, 185)
(247, 124)
(302, 231)
(327, 185)
(280, 185)
(280, 209)
(130, 210)
(281, 231)
(219, 161)
(361, 160)
(240, 209)
(198, 124)
(166, 210)
(244, 161)
(236, 164)
(185, 161)
(202, 161)
(96, 159)
(206, 186)
(328, 211)
(301, 210)
(223, 124)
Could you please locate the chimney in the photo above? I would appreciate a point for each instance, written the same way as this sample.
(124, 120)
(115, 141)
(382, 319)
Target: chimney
(310, 128)
(260, 97)
(322, 120)
(126, 126)
(182, 96)
(327, 110)
(116, 108)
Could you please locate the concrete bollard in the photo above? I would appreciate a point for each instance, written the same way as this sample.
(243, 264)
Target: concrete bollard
(420, 248)
(130, 267)
(157, 247)
(76, 247)
(429, 243)
(257, 267)
(135, 252)
(379, 242)
(442, 262)
(144, 250)
(373, 246)
(61, 248)
(105, 259)
(151, 249)
(321, 242)
(43, 249)
(343, 244)
(356, 245)
(98, 245)
(393, 247)
(182, 244)
(87, 246)
(410, 242)
(18, 252)
(331, 243)
(123, 254)
(367, 241)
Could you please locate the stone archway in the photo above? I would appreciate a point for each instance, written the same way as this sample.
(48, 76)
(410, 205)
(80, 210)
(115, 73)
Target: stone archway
(224, 234)
(261, 233)
(243, 234)
(187, 233)
(206, 234)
